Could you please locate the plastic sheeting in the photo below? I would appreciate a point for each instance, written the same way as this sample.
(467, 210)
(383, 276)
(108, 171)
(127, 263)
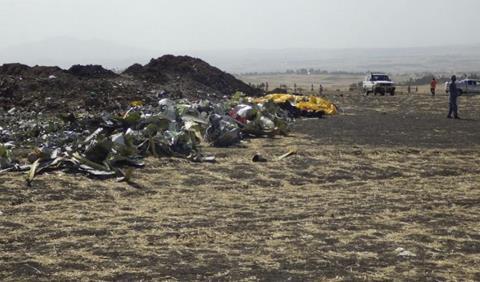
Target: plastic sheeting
(302, 103)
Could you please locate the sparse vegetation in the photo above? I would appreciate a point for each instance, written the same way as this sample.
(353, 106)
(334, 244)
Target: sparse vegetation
(377, 193)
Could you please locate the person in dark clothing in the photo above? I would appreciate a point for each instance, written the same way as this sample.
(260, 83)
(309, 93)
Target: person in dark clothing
(453, 95)
(433, 86)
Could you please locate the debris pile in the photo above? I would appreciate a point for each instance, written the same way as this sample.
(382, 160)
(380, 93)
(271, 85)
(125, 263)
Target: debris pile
(103, 144)
(93, 121)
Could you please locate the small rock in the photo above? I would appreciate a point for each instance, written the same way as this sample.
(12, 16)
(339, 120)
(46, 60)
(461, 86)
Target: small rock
(401, 252)
(407, 254)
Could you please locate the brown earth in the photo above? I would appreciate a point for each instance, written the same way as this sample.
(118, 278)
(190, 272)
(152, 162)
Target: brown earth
(51, 89)
(386, 173)
(191, 75)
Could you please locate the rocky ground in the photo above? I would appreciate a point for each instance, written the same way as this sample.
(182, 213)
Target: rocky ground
(386, 190)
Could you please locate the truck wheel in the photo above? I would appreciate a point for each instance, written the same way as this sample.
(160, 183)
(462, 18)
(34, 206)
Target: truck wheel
(392, 93)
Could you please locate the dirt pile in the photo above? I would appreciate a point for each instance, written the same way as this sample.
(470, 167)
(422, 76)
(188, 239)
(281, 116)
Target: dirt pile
(191, 73)
(13, 69)
(91, 71)
(25, 71)
(92, 87)
(51, 89)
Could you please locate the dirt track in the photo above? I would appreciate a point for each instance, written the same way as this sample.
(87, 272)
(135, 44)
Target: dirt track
(388, 173)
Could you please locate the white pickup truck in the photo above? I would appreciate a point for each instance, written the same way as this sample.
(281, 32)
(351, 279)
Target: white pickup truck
(466, 86)
(378, 83)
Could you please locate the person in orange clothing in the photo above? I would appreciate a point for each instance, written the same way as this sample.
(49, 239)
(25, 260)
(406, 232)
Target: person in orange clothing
(433, 86)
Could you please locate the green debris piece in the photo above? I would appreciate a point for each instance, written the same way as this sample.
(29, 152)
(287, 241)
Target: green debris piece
(132, 118)
(99, 150)
(5, 157)
(151, 130)
(90, 163)
(238, 96)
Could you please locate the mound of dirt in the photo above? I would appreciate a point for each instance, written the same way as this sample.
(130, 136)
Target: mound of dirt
(45, 71)
(192, 74)
(13, 69)
(8, 87)
(91, 71)
(92, 87)
(278, 91)
(17, 69)
(148, 73)
(135, 69)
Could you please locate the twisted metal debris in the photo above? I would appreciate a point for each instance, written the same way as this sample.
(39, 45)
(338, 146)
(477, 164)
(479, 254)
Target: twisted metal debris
(103, 144)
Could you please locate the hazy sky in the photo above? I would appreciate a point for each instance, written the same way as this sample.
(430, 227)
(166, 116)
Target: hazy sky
(238, 24)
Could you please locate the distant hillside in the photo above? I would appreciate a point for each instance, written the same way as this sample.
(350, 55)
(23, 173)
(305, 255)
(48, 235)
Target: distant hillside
(435, 59)
(65, 51)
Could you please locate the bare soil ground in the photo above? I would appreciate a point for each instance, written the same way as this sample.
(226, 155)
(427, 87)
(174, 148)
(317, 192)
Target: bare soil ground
(387, 173)
(328, 81)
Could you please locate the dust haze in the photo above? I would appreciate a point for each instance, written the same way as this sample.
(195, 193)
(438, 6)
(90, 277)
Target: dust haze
(244, 36)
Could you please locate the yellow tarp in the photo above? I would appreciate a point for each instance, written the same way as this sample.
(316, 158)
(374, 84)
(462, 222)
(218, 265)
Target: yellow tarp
(304, 103)
(136, 103)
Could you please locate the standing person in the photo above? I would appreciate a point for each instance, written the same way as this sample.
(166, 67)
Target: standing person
(453, 95)
(433, 86)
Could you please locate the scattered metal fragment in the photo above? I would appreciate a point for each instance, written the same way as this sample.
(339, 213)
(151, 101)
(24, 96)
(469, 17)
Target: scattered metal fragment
(401, 252)
(286, 155)
(257, 158)
(31, 173)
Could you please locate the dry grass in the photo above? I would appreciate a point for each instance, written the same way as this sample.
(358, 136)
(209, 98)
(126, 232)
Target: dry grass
(328, 81)
(332, 212)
